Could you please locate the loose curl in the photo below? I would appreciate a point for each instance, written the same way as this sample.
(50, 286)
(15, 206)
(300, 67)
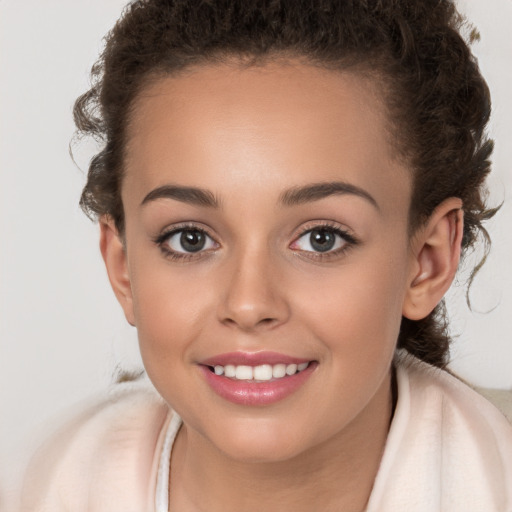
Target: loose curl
(438, 102)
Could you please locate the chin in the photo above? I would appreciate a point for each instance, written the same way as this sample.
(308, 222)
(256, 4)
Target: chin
(259, 441)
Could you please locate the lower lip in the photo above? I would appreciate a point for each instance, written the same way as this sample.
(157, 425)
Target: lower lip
(245, 392)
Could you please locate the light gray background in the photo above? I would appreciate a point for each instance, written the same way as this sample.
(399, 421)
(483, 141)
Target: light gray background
(62, 334)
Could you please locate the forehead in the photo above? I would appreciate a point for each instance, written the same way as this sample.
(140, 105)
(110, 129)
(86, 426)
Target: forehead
(281, 124)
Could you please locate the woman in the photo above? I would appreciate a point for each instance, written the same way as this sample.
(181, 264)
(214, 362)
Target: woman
(284, 194)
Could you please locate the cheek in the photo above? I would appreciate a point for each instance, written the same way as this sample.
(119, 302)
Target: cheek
(355, 318)
(356, 309)
(170, 308)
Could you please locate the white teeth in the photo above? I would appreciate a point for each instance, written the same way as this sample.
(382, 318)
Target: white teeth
(263, 372)
(243, 373)
(278, 371)
(291, 369)
(230, 370)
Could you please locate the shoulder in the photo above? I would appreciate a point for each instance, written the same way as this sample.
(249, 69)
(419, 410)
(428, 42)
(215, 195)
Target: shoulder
(103, 457)
(501, 398)
(450, 396)
(456, 409)
(447, 441)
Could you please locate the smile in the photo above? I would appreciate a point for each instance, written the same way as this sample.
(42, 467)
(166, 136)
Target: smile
(256, 379)
(260, 373)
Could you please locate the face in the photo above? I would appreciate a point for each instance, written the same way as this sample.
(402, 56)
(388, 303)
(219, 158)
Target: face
(266, 234)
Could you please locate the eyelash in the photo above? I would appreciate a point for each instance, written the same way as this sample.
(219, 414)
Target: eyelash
(349, 242)
(181, 256)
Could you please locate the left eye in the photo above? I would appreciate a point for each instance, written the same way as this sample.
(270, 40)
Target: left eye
(189, 241)
(320, 240)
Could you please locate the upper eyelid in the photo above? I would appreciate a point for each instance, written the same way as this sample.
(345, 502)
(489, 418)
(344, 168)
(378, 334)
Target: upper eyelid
(306, 227)
(171, 230)
(348, 240)
(341, 229)
(351, 241)
(169, 252)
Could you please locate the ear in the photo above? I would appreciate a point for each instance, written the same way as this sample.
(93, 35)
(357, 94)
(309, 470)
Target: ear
(114, 256)
(436, 254)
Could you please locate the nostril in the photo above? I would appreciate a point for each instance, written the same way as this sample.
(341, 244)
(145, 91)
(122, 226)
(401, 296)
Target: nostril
(267, 322)
(250, 324)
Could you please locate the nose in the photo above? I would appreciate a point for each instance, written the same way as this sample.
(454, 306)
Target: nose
(253, 296)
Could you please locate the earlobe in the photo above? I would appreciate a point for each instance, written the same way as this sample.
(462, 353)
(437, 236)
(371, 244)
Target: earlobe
(436, 255)
(114, 256)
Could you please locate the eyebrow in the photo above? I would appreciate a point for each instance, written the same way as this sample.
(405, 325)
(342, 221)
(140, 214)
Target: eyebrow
(317, 191)
(291, 197)
(190, 195)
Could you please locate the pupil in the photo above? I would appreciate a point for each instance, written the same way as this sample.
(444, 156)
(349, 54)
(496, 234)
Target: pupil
(322, 240)
(192, 241)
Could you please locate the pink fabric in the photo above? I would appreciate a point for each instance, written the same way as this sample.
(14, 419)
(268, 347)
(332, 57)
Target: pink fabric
(105, 460)
(448, 449)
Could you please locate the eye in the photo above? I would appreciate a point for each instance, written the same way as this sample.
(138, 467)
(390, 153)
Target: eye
(187, 240)
(323, 239)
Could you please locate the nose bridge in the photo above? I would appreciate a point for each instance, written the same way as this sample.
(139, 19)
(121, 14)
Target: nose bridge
(253, 298)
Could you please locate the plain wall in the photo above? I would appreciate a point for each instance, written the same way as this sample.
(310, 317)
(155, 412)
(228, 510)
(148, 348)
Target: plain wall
(62, 334)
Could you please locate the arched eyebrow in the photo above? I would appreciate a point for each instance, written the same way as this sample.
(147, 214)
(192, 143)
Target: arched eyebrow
(317, 191)
(190, 195)
(290, 197)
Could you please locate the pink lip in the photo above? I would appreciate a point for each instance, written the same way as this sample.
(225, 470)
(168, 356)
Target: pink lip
(255, 393)
(252, 359)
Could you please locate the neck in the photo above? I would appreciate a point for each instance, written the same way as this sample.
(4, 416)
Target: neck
(335, 475)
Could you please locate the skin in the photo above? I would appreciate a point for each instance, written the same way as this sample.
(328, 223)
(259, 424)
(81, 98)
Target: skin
(247, 136)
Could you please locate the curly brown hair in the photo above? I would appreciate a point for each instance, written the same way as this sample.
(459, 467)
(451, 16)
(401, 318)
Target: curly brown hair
(437, 100)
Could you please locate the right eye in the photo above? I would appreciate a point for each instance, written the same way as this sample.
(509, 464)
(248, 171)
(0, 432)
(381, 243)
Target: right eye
(187, 241)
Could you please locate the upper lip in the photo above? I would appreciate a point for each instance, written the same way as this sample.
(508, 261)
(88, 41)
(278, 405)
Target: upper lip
(252, 359)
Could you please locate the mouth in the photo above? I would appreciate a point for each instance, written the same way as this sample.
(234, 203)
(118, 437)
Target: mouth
(256, 379)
